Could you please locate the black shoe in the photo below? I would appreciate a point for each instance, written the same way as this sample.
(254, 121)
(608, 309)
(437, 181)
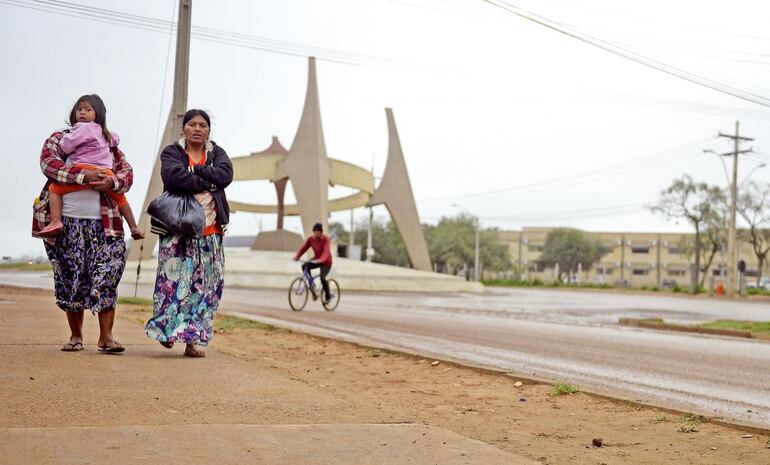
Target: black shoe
(328, 299)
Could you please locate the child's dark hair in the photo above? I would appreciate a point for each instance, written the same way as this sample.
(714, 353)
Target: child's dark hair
(101, 113)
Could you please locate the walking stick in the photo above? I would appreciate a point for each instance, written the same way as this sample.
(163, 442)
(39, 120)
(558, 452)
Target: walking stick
(139, 266)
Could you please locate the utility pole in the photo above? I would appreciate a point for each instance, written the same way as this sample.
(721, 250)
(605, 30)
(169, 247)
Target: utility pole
(657, 263)
(369, 248)
(623, 258)
(352, 230)
(476, 265)
(173, 129)
(732, 237)
(521, 244)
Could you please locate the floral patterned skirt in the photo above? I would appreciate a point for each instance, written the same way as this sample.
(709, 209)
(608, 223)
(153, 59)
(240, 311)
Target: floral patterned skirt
(87, 266)
(187, 289)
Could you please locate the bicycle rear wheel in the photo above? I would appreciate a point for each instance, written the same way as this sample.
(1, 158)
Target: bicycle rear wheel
(298, 294)
(334, 288)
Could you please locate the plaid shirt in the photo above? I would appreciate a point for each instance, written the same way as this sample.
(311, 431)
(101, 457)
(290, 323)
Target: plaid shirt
(54, 167)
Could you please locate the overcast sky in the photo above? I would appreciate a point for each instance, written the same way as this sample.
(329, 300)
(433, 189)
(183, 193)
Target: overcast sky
(515, 122)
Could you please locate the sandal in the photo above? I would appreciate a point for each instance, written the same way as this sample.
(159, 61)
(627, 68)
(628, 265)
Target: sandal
(192, 351)
(73, 347)
(111, 347)
(167, 344)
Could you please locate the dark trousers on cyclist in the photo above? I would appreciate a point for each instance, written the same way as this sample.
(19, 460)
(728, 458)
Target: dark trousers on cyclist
(324, 271)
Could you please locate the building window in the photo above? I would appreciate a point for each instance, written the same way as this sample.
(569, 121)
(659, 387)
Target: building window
(751, 273)
(675, 251)
(535, 248)
(717, 272)
(640, 249)
(604, 270)
(641, 271)
(677, 272)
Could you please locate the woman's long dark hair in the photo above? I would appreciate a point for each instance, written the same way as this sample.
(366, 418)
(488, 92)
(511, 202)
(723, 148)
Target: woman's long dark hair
(101, 113)
(193, 113)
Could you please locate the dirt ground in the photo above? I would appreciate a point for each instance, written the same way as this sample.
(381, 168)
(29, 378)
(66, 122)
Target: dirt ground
(264, 375)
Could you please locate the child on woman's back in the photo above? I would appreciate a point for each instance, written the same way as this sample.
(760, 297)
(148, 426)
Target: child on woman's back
(88, 145)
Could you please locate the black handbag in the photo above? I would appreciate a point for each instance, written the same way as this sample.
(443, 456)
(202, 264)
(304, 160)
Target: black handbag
(176, 214)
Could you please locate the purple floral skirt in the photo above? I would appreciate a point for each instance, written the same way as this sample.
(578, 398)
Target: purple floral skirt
(87, 266)
(188, 287)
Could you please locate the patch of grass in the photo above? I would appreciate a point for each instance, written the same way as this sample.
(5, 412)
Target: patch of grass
(26, 266)
(562, 389)
(692, 419)
(757, 291)
(755, 327)
(662, 419)
(512, 282)
(134, 301)
(687, 429)
(539, 283)
(227, 323)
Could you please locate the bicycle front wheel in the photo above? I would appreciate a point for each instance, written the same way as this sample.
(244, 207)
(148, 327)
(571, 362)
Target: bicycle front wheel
(298, 294)
(334, 289)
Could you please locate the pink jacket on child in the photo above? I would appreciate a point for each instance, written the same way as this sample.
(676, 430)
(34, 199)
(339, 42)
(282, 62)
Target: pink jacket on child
(85, 145)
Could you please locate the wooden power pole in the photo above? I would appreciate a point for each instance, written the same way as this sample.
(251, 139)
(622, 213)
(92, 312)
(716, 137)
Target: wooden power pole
(173, 129)
(732, 237)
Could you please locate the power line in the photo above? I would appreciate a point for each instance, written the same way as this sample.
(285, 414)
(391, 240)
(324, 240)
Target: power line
(550, 217)
(589, 211)
(679, 26)
(631, 55)
(165, 75)
(690, 107)
(202, 33)
(612, 170)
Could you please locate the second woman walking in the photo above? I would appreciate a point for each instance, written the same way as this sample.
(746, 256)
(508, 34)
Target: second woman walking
(190, 276)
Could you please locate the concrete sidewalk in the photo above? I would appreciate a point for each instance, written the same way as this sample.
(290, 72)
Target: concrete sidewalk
(245, 444)
(151, 405)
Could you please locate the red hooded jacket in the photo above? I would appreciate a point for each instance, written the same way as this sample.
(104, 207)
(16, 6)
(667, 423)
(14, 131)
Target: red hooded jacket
(321, 248)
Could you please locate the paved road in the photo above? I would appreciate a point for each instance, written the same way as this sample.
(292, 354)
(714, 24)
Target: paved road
(555, 335)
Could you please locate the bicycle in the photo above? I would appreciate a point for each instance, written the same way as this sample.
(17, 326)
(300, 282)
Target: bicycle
(305, 285)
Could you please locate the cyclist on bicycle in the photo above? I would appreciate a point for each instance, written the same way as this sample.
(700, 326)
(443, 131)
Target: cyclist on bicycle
(322, 259)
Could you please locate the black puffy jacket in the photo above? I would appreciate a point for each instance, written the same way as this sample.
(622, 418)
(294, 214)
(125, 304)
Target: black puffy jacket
(178, 177)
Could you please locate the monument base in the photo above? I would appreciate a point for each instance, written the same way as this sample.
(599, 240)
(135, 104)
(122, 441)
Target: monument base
(277, 241)
(276, 270)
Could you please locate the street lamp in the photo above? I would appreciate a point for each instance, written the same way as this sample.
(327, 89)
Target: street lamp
(476, 270)
(732, 242)
(724, 165)
(759, 166)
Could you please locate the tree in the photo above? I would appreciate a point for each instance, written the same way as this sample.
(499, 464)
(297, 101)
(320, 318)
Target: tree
(386, 241)
(714, 236)
(754, 209)
(698, 204)
(452, 246)
(570, 248)
(338, 234)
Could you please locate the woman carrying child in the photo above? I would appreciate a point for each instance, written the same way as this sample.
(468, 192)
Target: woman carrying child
(86, 250)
